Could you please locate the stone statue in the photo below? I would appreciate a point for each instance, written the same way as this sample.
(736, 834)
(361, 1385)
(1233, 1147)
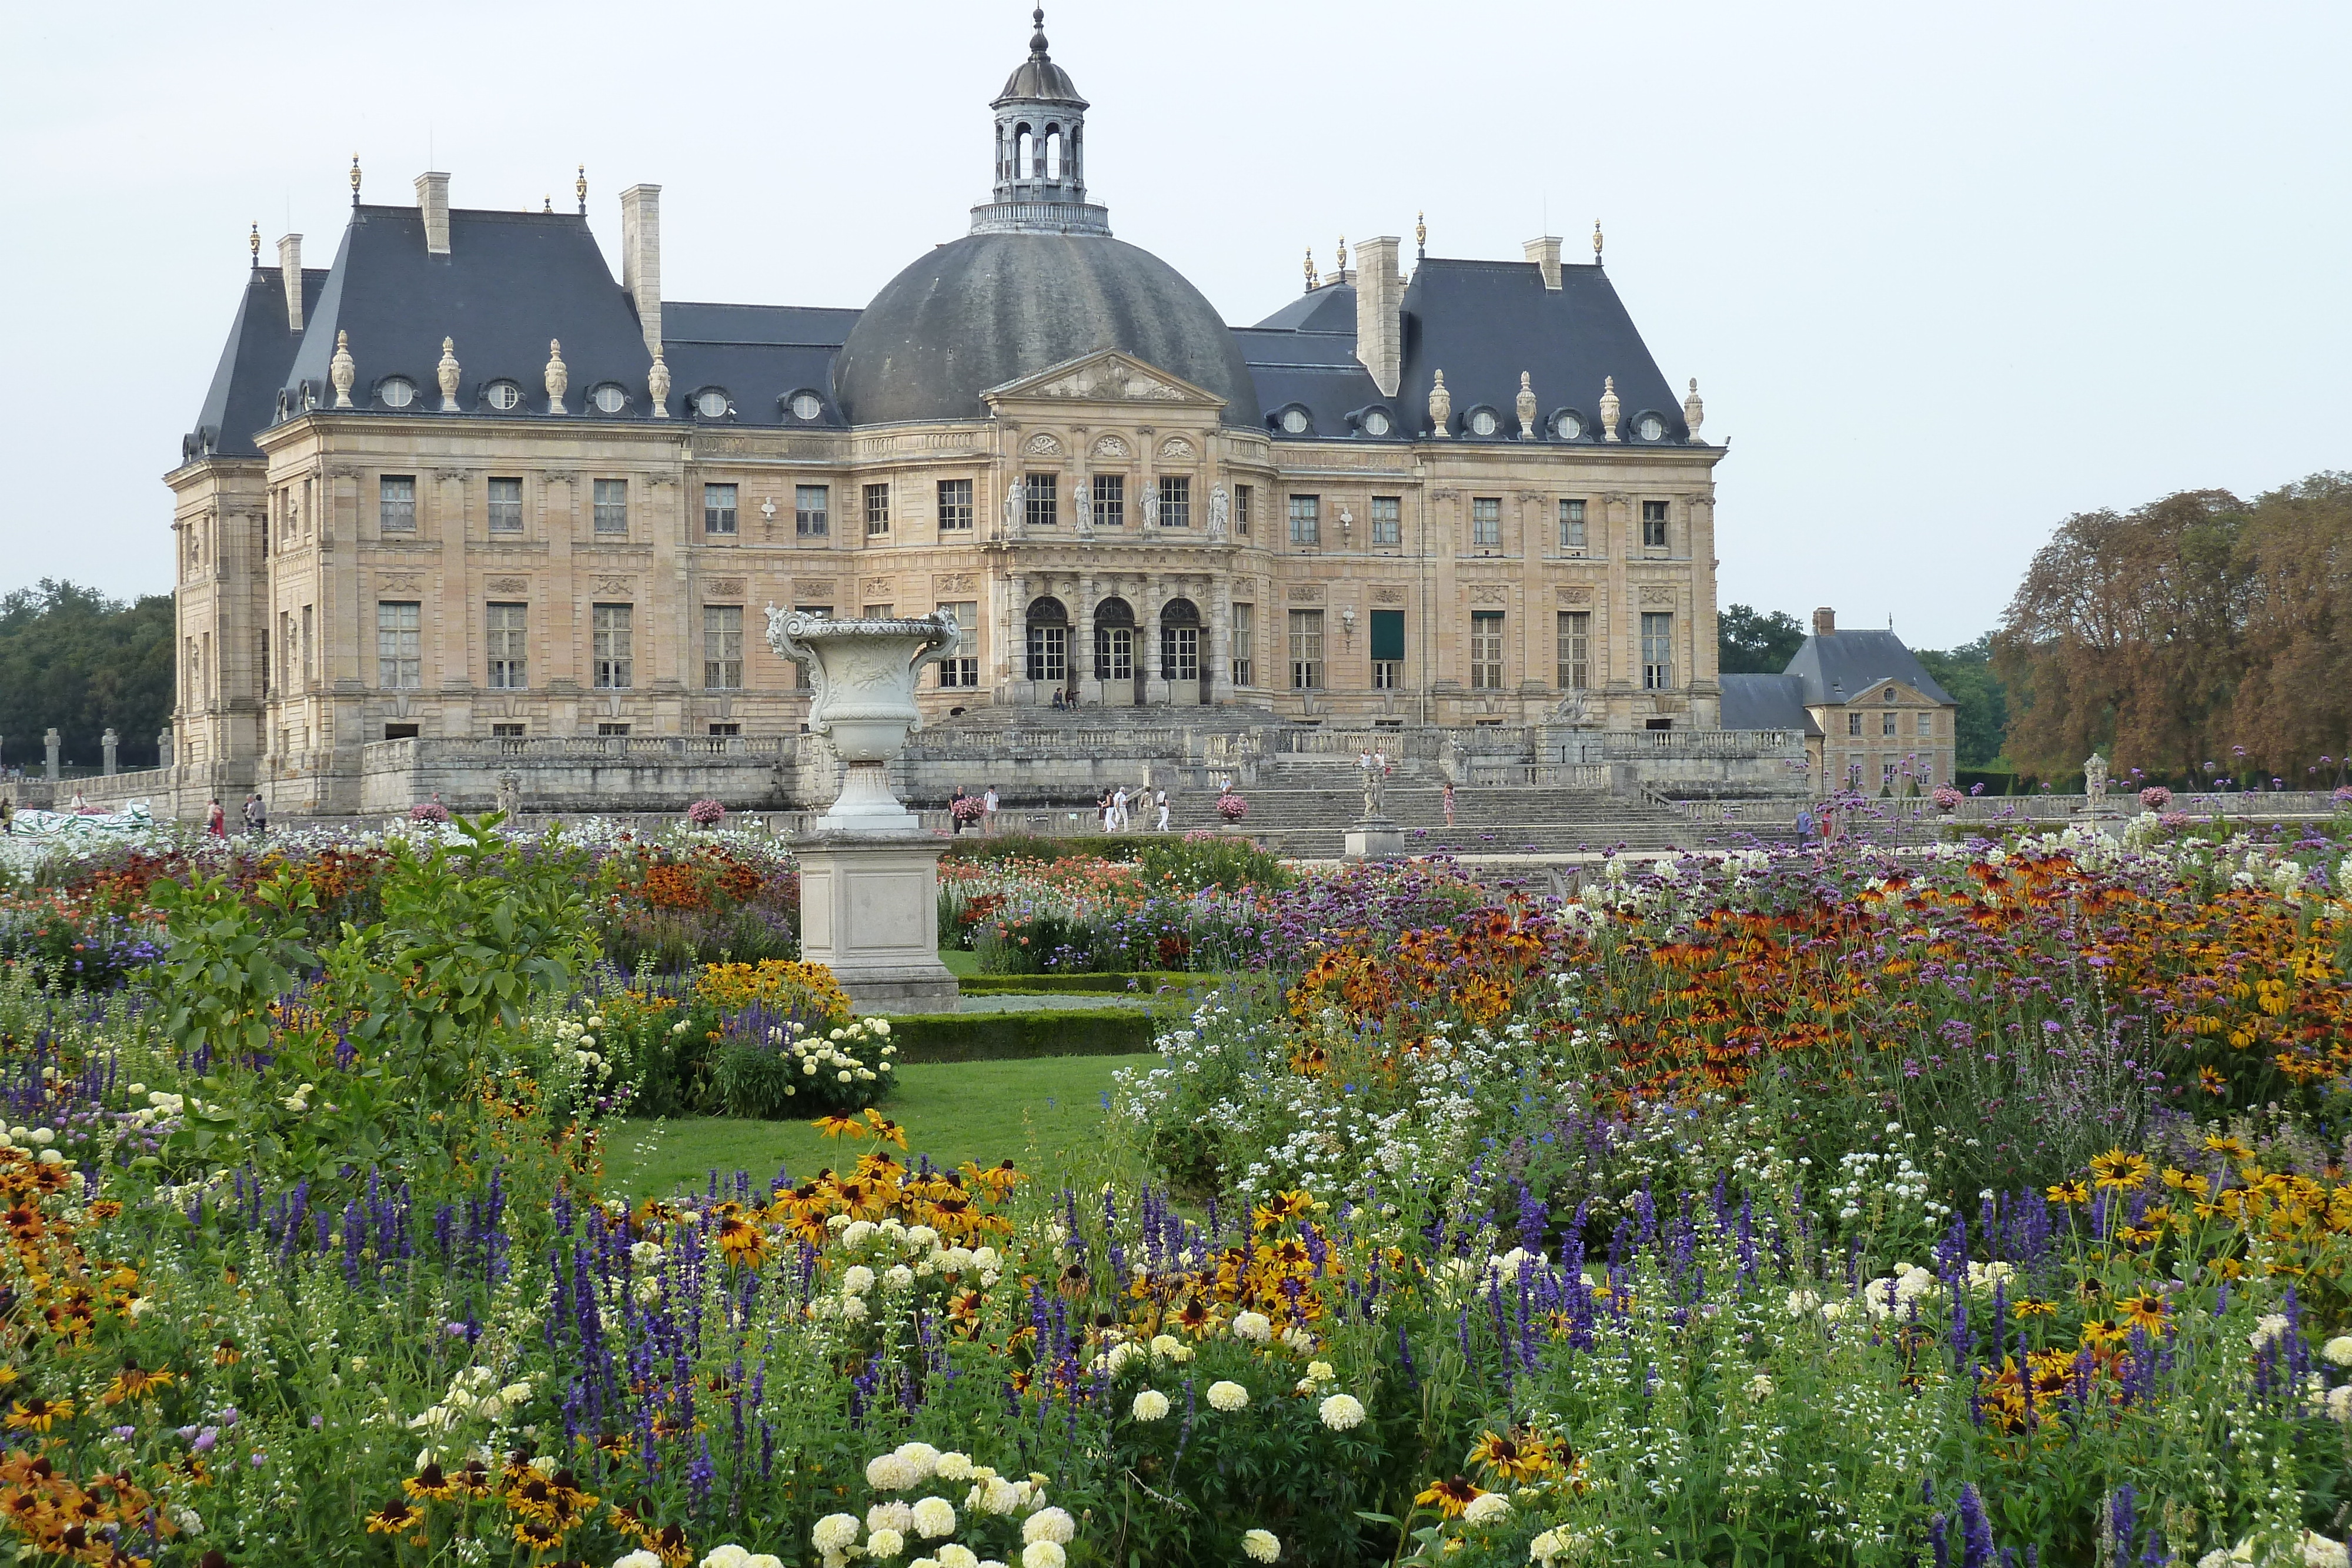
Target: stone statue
(1527, 406)
(1441, 408)
(1015, 495)
(1082, 507)
(1575, 708)
(1694, 409)
(2095, 780)
(1151, 503)
(510, 797)
(1220, 514)
(1375, 779)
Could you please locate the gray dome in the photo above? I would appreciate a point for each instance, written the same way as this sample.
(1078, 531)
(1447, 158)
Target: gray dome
(992, 307)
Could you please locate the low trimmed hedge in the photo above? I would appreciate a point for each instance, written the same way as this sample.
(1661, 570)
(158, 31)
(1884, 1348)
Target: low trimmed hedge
(1145, 982)
(1004, 1037)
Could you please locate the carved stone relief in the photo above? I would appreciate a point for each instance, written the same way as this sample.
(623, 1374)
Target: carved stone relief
(1112, 447)
(723, 587)
(1656, 594)
(879, 584)
(1387, 596)
(811, 592)
(951, 583)
(615, 585)
(1578, 595)
(1176, 447)
(1045, 444)
(509, 585)
(400, 582)
(1305, 593)
(1490, 594)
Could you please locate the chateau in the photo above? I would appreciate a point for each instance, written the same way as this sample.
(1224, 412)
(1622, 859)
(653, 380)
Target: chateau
(465, 484)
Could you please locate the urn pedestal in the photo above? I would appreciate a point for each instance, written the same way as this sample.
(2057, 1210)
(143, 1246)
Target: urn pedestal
(869, 874)
(870, 911)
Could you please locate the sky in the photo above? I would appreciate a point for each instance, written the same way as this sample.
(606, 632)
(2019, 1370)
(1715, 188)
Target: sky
(1945, 274)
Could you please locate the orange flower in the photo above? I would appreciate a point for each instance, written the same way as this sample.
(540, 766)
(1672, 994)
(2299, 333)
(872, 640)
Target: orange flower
(1450, 1496)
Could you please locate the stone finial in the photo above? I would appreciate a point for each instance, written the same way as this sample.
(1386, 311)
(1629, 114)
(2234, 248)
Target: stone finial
(1421, 236)
(1342, 262)
(341, 371)
(1596, 242)
(1441, 408)
(448, 372)
(658, 383)
(559, 378)
(355, 179)
(1310, 260)
(1526, 405)
(252, 243)
(1694, 411)
(1609, 407)
(579, 190)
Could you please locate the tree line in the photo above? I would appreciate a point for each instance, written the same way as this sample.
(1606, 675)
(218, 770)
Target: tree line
(76, 662)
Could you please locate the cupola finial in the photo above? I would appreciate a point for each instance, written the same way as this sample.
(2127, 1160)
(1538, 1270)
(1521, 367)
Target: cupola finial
(1037, 39)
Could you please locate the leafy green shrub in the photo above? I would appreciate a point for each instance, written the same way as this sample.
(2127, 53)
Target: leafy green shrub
(1003, 1037)
(791, 1070)
(1221, 861)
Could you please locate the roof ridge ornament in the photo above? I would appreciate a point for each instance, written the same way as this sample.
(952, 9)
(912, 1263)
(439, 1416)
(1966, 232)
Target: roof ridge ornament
(658, 383)
(1037, 39)
(1312, 282)
(579, 190)
(252, 243)
(1421, 236)
(1526, 405)
(1609, 408)
(1441, 408)
(1693, 412)
(1596, 242)
(448, 372)
(355, 179)
(341, 371)
(1342, 263)
(559, 377)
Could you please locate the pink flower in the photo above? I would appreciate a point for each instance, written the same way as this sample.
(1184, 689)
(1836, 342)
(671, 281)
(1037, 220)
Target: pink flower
(2154, 797)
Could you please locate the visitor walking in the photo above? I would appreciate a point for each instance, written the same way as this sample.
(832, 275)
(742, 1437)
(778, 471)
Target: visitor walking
(80, 805)
(1102, 809)
(7, 814)
(257, 815)
(216, 819)
(955, 818)
(988, 804)
(1160, 800)
(1119, 810)
(1445, 798)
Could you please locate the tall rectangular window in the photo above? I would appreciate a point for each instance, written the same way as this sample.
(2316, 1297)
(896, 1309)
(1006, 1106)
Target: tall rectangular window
(801, 671)
(1388, 649)
(1926, 723)
(612, 506)
(1486, 651)
(1853, 724)
(1307, 519)
(1176, 502)
(507, 630)
(1244, 644)
(722, 647)
(1575, 636)
(1486, 522)
(811, 504)
(719, 508)
(288, 647)
(955, 505)
(1653, 525)
(1049, 654)
(395, 505)
(1887, 723)
(1039, 510)
(1110, 500)
(505, 506)
(1571, 525)
(1306, 650)
(878, 510)
(399, 644)
(1242, 494)
(1657, 650)
(961, 668)
(1388, 520)
(308, 625)
(614, 651)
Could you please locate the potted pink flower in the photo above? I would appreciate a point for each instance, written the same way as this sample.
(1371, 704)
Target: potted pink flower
(706, 814)
(1231, 807)
(2154, 797)
(431, 810)
(1946, 799)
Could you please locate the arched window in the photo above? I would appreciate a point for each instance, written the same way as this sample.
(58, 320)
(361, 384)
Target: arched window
(1049, 641)
(1180, 641)
(1115, 661)
(1053, 160)
(1024, 145)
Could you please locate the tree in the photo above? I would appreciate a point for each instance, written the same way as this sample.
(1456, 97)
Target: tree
(2198, 629)
(73, 660)
(1966, 673)
(1750, 642)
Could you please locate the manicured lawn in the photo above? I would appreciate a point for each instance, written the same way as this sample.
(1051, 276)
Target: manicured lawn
(1044, 1116)
(958, 962)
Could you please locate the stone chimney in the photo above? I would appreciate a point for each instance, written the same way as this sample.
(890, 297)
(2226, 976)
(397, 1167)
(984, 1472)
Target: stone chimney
(1379, 312)
(290, 267)
(1545, 253)
(641, 258)
(1825, 622)
(433, 201)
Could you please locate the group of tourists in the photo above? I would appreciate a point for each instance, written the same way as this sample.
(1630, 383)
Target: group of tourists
(1115, 809)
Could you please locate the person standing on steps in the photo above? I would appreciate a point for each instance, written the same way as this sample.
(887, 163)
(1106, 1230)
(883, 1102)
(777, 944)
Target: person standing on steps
(1160, 799)
(1445, 798)
(988, 804)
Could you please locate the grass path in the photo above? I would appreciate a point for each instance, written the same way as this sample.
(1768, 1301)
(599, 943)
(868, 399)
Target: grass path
(1045, 1115)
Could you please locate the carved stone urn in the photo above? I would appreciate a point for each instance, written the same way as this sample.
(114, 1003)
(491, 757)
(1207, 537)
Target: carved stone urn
(862, 686)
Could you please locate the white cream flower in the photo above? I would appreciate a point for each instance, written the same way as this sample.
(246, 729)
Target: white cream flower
(888, 1472)
(1043, 1554)
(1486, 1507)
(834, 1533)
(857, 1279)
(1049, 1525)
(884, 1544)
(934, 1517)
(1319, 1372)
(1342, 1412)
(1260, 1546)
(1255, 1327)
(1149, 1405)
(2337, 1352)
(953, 1555)
(894, 1515)
(1228, 1395)
(728, 1556)
(953, 1466)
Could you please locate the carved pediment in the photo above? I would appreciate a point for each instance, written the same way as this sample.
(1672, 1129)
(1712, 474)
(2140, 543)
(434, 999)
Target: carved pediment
(1108, 376)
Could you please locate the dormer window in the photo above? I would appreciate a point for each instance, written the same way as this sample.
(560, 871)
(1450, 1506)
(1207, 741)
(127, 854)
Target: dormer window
(609, 397)
(1376, 422)
(1484, 421)
(710, 403)
(807, 405)
(1567, 425)
(1294, 421)
(505, 396)
(395, 392)
(1650, 428)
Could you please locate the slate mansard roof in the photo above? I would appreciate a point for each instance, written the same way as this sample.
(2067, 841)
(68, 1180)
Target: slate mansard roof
(970, 315)
(1481, 322)
(1765, 702)
(1839, 667)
